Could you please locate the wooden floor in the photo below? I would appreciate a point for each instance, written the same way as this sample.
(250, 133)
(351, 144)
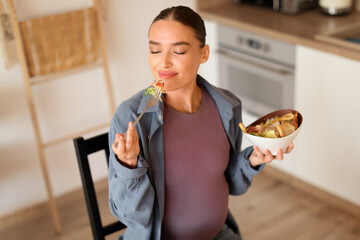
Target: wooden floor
(270, 210)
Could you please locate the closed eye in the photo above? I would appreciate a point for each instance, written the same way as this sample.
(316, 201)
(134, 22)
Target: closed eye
(155, 52)
(180, 53)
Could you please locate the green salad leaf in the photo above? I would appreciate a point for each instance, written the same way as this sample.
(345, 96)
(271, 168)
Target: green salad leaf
(269, 134)
(150, 91)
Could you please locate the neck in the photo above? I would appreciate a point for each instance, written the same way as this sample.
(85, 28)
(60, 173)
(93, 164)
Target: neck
(185, 100)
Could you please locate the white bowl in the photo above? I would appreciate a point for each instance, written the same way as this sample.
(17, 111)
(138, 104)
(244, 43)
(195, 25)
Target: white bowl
(274, 143)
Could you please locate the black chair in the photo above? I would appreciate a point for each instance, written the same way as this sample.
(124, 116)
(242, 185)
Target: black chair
(83, 148)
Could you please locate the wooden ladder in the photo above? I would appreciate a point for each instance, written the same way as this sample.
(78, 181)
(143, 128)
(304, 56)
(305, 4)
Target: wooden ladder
(31, 79)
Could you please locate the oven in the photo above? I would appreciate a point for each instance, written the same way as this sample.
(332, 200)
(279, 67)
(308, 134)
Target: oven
(259, 70)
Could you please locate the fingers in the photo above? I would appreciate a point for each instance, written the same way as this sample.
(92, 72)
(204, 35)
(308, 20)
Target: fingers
(268, 157)
(132, 142)
(279, 154)
(119, 144)
(128, 148)
(263, 157)
(129, 136)
(258, 157)
(290, 148)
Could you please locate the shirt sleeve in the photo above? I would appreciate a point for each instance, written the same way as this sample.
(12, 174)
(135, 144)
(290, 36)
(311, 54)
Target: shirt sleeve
(131, 195)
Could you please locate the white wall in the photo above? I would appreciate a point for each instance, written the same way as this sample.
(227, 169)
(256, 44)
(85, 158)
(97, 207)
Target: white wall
(71, 104)
(209, 69)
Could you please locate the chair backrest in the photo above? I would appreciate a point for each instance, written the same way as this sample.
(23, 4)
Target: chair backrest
(83, 148)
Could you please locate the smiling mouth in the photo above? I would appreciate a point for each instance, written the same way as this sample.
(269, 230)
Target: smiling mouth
(166, 74)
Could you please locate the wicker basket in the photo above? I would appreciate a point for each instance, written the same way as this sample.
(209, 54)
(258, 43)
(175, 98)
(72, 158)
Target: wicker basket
(59, 42)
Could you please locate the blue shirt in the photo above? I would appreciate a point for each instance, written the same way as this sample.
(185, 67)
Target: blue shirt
(136, 196)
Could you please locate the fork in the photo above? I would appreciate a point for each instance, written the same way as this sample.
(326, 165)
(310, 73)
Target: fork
(153, 100)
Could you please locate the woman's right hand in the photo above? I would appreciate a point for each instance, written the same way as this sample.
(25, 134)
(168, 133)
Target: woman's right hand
(127, 150)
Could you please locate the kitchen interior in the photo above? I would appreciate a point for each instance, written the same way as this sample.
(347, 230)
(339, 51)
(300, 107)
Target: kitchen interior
(273, 54)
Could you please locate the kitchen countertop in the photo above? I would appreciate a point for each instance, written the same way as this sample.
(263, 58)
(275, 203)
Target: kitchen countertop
(297, 29)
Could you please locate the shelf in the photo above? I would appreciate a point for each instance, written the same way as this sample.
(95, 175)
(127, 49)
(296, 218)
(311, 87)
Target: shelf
(42, 46)
(74, 135)
(49, 77)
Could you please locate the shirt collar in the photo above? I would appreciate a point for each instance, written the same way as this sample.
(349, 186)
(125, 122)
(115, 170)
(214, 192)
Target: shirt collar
(219, 95)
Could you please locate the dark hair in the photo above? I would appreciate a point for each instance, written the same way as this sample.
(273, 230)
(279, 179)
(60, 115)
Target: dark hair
(187, 17)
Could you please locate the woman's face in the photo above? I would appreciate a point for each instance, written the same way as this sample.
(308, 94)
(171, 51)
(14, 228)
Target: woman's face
(175, 54)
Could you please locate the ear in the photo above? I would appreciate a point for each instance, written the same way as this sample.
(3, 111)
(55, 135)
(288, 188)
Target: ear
(205, 53)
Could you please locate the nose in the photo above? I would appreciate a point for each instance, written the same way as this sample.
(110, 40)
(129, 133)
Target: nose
(166, 60)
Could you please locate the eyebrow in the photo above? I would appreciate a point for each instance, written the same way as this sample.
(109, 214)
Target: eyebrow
(174, 44)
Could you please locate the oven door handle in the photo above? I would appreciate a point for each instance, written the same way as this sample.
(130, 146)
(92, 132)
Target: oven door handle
(280, 72)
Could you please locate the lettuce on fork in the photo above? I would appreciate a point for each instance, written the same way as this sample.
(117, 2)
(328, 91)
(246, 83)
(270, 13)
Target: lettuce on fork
(151, 90)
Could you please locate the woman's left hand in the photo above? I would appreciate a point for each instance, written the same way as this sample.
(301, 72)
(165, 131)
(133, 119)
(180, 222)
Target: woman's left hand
(258, 157)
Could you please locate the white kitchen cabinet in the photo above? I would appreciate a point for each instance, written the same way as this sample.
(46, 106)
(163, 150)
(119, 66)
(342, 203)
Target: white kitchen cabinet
(327, 148)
